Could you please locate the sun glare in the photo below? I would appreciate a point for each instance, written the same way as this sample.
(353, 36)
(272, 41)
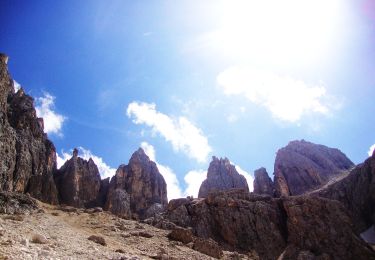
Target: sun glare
(281, 31)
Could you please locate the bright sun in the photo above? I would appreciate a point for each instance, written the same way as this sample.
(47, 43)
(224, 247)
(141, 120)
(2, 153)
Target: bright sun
(282, 31)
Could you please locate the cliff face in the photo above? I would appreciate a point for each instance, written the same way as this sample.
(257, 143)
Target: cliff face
(303, 166)
(263, 183)
(78, 182)
(357, 193)
(137, 188)
(28, 158)
(221, 175)
(295, 226)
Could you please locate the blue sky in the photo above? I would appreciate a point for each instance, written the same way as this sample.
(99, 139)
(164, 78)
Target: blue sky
(187, 80)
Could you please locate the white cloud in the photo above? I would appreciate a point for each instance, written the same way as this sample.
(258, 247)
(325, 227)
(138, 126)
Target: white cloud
(371, 150)
(249, 178)
(181, 133)
(286, 98)
(16, 85)
(104, 169)
(62, 159)
(193, 180)
(173, 186)
(52, 121)
(149, 150)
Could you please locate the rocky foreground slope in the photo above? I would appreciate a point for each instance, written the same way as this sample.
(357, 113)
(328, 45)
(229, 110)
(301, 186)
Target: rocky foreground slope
(42, 231)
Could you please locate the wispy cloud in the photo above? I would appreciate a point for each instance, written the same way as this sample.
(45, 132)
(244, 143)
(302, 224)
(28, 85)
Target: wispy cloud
(62, 158)
(52, 120)
(371, 150)
(286, 98)
(104, 169)
(249, 178)
(180, 132)
(173, 185)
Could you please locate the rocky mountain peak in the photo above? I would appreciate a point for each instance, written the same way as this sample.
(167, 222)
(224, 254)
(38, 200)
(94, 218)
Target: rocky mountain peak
(4, 58)
(263, 183)
(78, 182)
(302, 166)
(221, 175)
(138, 189)
(75, 153)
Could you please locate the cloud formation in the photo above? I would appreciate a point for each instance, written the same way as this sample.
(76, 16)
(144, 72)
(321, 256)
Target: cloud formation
(193, 180)
(173, 186)
(45, 108)
(249, 178)
(286, 98)
(371, 150)
(180, 132)
(104, 169)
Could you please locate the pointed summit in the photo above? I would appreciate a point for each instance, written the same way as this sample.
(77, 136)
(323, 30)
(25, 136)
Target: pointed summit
(138, 189)
(222, 175)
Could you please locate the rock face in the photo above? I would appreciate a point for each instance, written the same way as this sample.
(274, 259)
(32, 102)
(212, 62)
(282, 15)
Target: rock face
(16, 203)
(137, 188)
(357, 193)
(292, 226)
(221, 175)
(303, 166)
(78, 182)
(263, 183)
(28, 158)
(322, 229)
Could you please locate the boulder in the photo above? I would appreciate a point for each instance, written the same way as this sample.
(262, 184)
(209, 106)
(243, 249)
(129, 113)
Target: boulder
(142, 183)
(221, 176)
(28, 158)
(302, 166)
(263, 183)
(78, 182)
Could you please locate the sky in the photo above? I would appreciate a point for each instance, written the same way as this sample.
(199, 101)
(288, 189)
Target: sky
(186, 80)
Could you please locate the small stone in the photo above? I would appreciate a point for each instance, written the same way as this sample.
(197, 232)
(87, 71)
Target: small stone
(44, 253)
(145, 234)
(120, 251)
(97, 239)
(39, 239)
(126, 235)
(25, 242)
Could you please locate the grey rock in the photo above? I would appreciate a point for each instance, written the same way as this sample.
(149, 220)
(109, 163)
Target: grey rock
(221, 175)
(78, 182)
(143, 183)
(28, 158)
(263, 183)
(302, 166)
